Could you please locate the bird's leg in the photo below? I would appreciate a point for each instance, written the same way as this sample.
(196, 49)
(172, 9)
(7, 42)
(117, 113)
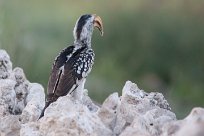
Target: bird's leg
(78, 93)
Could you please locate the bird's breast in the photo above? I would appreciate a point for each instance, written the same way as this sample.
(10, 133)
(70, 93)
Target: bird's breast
(84, 63)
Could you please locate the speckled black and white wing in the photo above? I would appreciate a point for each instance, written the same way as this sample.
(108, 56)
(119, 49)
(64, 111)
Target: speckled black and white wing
(77, 67)
(64, 77)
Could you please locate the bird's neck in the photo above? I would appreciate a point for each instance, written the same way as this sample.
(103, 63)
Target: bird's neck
(83, 42)
(80, 44)
(83, 37)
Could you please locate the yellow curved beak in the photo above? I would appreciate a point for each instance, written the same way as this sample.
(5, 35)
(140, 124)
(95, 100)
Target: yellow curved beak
(98, 24)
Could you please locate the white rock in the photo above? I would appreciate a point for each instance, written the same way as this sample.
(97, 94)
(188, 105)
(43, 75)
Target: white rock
(5, 65)
(93, 107)
(108, 111)
(17, 94)
(19, 75)
(149, 107)
(34, 103)
(29, 129)
(21, 89)
(192, 125)
(10, 126)
(67, 117)
(149, 123)
(7, 97)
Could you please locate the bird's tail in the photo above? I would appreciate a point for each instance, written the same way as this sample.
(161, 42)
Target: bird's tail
(50, 99)
(46, 105)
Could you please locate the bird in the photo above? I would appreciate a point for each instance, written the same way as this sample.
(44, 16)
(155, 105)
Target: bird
(74, 63)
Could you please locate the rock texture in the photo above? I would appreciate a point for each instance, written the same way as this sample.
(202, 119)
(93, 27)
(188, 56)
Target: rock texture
(192, 125)
(20, 100)
(135, 113)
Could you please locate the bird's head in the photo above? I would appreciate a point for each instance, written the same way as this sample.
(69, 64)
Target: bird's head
(84, 28)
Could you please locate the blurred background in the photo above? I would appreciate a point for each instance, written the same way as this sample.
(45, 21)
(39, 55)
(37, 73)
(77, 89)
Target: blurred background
(157, 44)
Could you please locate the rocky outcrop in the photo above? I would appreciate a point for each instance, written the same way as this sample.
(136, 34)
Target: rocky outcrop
(20, 100)
(192, 125)
(134, 113)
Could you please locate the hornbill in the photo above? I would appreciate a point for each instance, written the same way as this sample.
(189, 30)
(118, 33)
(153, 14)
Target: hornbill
(73, 64)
